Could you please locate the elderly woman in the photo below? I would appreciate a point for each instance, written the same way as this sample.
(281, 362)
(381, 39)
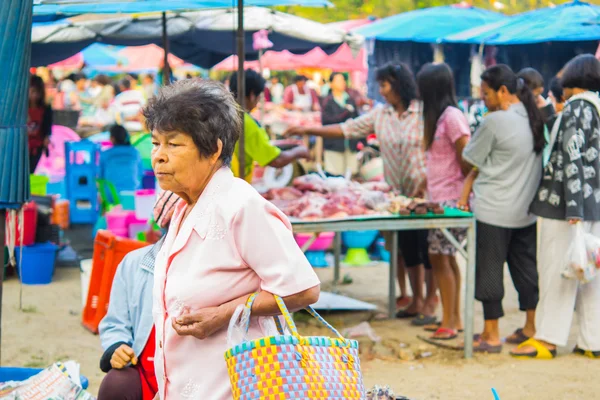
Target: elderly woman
(224, 243)
(569, 194)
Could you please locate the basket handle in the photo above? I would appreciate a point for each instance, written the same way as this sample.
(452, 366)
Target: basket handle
(290, 321)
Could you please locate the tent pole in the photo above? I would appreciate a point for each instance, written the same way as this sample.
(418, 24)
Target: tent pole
(241, 84)
(165, 42)
(2, 239)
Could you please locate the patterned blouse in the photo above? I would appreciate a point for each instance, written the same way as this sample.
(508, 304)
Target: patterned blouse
(570, 186)
(401, 141)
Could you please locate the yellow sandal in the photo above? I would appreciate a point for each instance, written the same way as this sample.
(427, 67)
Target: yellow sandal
(540, 353)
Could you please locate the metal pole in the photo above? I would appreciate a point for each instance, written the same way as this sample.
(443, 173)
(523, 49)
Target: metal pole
(470, 290)
(241, 84)
(165, 42)
(393, 276)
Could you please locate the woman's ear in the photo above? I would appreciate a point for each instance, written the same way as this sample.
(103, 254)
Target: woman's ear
(215, 157)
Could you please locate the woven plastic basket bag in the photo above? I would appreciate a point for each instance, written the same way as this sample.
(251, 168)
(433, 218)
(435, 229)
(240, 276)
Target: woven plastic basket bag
(295, 367)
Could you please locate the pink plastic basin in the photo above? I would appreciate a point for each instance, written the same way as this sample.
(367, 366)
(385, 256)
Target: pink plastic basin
(323, 242)
(118, 219)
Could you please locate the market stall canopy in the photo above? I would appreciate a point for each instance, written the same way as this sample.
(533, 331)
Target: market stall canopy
(571, 22)
(52, 9)
(203, 38)
(428, 25)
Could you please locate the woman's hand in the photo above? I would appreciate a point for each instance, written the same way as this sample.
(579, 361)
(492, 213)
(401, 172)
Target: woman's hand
(123, 356)
(295, 131)
(574, 221)
(463, 205)
(200, 324)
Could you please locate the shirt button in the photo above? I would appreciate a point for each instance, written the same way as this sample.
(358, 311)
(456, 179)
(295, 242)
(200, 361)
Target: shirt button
(160, 344)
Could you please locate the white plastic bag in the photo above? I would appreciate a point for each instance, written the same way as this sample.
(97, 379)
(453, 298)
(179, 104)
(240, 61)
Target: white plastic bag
(237, 332)
(592, 243)
(578, 265)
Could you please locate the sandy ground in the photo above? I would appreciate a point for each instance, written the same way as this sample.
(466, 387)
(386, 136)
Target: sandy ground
(48, 329)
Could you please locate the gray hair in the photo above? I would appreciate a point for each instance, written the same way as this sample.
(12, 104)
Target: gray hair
(203, 109)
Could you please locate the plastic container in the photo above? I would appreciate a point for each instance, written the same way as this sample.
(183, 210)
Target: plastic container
(144, 203)
(38, 184)
(57, 188)
(323, 241)
(29, 225)
(86, 273)
(358, 242)
(60, 213)
(127, 198)
(21, 374)
(135, 226)
(37, 266)
(118, 219)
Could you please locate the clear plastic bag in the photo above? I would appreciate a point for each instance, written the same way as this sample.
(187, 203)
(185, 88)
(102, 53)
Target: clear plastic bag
(579, 266)
(592, 244)
(237, 333)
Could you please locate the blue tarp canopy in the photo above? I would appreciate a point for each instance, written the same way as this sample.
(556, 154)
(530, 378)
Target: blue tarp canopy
(428, 25)
(58, 7)
(202, 38)
(571, 22)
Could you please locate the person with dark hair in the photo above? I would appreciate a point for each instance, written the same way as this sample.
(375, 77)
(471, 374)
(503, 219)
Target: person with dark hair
(127, 331)
(555, 93)
(257, 145)
(338, 107)
(39, 122)
(446, 134)
(506, 154)
(127, 107)
(568, 199)
(399, 128)
(299, 96)
(121, 165)
(535, 82)
(225, 242)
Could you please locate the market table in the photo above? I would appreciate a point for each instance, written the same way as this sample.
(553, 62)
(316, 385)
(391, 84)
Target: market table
(452, 218)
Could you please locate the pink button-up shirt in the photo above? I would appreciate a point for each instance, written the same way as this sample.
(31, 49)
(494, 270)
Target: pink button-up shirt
(232, 243)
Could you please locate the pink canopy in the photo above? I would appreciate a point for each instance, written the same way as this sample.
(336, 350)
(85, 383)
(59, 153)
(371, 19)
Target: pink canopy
(147, 57)
(73, 62)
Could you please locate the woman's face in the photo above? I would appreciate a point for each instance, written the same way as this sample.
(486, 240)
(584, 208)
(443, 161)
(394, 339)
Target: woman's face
(338, 83)
(386, 91)
(178, 165)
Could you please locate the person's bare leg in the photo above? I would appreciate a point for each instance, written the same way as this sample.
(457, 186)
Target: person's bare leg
(529, 329)
(457, 282)
(404, 299)
(491, 332)
(416, 277)
(431, 301)
(444, 275)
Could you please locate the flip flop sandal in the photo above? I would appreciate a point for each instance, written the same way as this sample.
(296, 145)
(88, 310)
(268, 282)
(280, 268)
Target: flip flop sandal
(403, 314)
(452, 334)
(517, 337)
(422, 320)
(540, 352)
(587, 353)
(435, 327)
(485, 347)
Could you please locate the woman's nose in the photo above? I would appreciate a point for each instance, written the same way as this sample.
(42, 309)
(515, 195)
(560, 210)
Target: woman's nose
(159, 155)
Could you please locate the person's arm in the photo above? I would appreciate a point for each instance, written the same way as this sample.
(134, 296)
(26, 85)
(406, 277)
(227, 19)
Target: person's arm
(316, 105)
(575, 136)
(116, 328)
(460, 145)
(481, 144)
(289, 156)
(275, 258)
(356, 128)
(463, 203)
(46, 128)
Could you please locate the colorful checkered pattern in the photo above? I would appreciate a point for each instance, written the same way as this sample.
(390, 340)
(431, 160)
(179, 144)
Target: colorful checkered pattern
(295, 367)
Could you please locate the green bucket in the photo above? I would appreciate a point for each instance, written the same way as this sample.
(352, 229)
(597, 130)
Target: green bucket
(38, 184)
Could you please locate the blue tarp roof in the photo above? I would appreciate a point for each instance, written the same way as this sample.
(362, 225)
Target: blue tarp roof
(54, 7)
(571, 22)
(428, 25)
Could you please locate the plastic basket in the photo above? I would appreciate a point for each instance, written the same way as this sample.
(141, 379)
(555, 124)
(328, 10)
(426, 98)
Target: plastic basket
(38, 184)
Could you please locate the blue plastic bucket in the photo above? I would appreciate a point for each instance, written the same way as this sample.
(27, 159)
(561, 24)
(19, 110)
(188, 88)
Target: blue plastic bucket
(20, 374)
(37, 266)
